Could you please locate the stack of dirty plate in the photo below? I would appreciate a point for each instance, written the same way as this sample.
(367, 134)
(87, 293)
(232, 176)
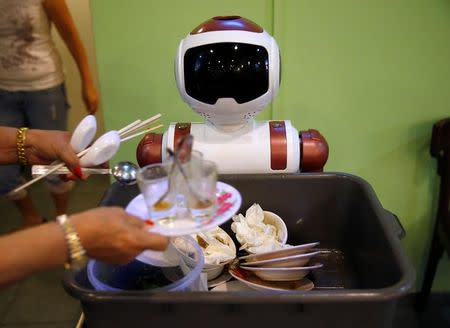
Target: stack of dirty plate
(284, 269)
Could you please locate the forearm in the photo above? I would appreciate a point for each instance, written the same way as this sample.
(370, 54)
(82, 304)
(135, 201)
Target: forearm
(60, 16)
(76, 48)
(8, 146)
(31, 250)
(33, 139)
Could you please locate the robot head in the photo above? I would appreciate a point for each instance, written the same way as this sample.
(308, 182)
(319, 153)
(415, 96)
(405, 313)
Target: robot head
(228, 69)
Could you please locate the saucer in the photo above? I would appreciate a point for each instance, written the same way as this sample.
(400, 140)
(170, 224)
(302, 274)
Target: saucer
(228, 203)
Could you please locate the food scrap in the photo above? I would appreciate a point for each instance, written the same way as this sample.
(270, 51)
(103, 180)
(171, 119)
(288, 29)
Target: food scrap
(253, 234)
(216, 247)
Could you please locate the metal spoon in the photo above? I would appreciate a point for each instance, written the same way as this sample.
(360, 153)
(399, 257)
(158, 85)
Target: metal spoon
(201, 200)
(182, 155)
(125, 173)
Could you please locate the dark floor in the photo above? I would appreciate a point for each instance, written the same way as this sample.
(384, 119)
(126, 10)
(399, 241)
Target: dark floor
(40, 301)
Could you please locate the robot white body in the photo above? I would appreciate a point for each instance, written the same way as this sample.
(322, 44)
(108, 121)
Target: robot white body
(259, 147)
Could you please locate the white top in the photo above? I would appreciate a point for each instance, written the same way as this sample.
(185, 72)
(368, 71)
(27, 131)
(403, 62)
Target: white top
(29, 59)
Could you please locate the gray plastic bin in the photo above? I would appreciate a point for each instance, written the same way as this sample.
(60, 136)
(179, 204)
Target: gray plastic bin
(365, 272)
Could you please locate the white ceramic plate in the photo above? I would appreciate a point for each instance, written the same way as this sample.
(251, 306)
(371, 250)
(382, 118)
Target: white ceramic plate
(223, 278)
(232, 286)
(288, 251)
(282, 274)
(229, 201)
(284, 262)
(254, 282)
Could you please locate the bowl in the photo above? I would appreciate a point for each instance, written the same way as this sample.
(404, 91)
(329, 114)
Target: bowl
(137, 275)
(213, 273)
(290, 251)
(278, 223)
(213, 270)
(281, 274)
(284, 262)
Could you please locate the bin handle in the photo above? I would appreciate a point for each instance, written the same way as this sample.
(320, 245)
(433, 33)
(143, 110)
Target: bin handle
(396, 225)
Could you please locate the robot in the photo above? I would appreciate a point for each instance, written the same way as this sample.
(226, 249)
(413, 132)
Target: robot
(228, 69)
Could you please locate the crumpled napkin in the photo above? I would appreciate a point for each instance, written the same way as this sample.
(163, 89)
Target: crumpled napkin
(253, 234)
(217, 252)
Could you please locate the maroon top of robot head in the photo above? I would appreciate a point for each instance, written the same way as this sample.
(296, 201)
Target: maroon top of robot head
(227, 23)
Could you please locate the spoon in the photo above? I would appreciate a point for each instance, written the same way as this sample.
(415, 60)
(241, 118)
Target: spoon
(125, 173)
(182, 155)
(84, 133)
(103, 149)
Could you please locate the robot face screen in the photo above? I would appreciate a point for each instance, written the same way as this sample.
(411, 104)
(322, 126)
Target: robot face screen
(226, 70)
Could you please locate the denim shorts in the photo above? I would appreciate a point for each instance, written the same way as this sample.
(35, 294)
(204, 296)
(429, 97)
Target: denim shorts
(44, 109)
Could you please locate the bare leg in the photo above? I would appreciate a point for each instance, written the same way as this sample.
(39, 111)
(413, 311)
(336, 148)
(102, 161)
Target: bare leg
(29, 213)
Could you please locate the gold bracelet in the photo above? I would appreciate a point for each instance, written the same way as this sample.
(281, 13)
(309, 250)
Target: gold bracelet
(77, 254)
(20, 142)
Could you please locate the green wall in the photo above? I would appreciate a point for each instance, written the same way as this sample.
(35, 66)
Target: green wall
(371, 75)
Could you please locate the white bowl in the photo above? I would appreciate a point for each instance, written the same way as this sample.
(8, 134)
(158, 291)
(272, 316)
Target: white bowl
(214, 270)
(290, 251)
(213, 273)
(282, 274)
(284, 262)
(278, 223)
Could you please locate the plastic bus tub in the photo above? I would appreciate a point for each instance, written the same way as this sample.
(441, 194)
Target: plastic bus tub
(365, 270)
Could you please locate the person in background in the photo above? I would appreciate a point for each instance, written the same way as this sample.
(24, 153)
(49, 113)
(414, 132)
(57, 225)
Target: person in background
(106, 233)
(32, 89)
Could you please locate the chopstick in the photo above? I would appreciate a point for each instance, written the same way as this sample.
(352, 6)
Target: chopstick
(141, 125)
(140, 133)
(130, 128)
(50, 171)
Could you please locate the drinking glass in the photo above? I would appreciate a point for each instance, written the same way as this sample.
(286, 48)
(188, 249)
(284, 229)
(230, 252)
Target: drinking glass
(154, 182)
(201, 187)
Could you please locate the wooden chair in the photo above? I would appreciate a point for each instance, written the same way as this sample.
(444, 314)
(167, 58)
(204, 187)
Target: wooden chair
(440, 149)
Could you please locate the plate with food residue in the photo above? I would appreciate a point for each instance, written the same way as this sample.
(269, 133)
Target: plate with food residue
(228, 203)
(251, 280)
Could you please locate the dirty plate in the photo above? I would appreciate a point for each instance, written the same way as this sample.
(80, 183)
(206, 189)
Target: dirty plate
(222, 279)
(284, 262)
(288, 251)
(282, 274)
(254, 282)
(228, 203)
(232, 286)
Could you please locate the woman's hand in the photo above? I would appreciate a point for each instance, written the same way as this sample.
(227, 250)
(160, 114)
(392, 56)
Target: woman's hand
(110, 234)
(90, 97)
(46, 146)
